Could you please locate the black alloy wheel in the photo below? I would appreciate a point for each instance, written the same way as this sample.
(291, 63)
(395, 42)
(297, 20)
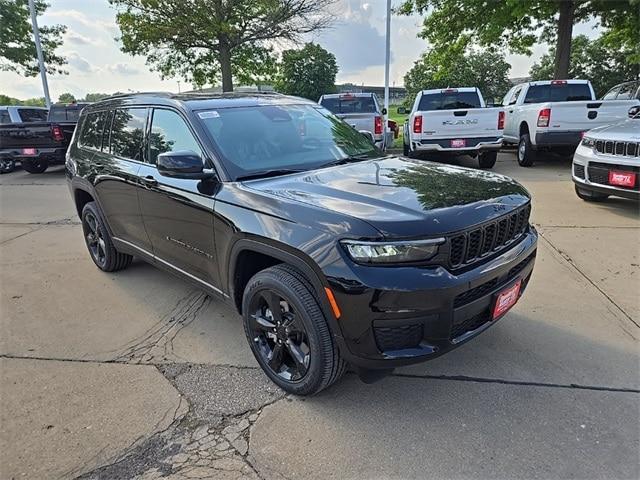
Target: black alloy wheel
(94, 238)
(99, 243)
(280, 337)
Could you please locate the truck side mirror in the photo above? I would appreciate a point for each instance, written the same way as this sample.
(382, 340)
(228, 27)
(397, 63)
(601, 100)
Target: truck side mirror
(633, 111)
(384, 111)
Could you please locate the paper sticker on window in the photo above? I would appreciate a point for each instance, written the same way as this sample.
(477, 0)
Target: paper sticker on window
(209, 114)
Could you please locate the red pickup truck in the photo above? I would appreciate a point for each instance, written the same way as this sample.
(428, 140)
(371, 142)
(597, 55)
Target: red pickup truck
(40, 144)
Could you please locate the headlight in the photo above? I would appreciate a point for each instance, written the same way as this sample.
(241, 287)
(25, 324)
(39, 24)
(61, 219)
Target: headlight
(588, 142)
(392, 252)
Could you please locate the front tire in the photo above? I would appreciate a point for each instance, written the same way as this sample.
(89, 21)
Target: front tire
(288, 332)
(7, 165)
(36, 165)
(99, 243)
(589, 196)
(525, 154)
(487, 159)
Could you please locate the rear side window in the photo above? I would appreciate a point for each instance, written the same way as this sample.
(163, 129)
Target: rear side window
(170, 133)
(628, 91)
(5, 117)
(561, 92)
(64, 114)
(611, 94)
(449, 101)
(349, 104)
(92, 128)
(32, 115)
(127, 133)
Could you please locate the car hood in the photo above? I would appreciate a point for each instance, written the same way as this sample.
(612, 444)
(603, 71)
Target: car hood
(400, 197)
(627, 131)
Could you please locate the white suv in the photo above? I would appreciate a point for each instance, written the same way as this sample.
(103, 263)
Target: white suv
(607, 161)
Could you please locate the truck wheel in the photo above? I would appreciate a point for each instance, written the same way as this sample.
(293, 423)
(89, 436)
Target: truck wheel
(589, 196)
(288, 333)
(99, 242)
(7, 165)
(35, 166)
(487, 159)
(526, 155)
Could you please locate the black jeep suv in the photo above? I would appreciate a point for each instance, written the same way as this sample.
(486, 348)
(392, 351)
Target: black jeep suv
(333, 252)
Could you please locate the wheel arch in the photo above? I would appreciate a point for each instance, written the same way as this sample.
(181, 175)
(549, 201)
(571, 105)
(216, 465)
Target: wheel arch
(524, 128)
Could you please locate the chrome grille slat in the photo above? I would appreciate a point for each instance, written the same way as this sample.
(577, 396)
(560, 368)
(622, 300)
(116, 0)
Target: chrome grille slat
(610, 147)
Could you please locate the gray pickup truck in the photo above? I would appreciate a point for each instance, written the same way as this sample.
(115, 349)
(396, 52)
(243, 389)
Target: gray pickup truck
(363, 112)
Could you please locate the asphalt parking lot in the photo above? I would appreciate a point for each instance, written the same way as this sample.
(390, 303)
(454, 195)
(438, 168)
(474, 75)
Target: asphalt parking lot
(140, 375)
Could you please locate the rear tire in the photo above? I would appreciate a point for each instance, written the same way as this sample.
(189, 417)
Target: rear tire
(405, 149)
(35, 166)
(589, 196)
(487, 159)
(298, 354)
(525, 154)
(7, 165)
(99, 243)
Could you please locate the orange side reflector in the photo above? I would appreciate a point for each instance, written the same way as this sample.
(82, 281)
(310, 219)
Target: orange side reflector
(332, 301)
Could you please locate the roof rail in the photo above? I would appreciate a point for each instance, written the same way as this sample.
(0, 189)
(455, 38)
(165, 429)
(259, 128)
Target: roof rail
(131, 94)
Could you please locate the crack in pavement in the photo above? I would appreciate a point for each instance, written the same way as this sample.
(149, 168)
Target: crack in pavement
(571, 262)
(60, 221)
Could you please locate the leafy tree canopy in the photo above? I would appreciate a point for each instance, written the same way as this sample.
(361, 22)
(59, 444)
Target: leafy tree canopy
(455, 68)
(592, 60)
(518, 25)
(308, 72)
(94, 97)
(208, 41)
(66, 98)
(30, 102)
(17, 48)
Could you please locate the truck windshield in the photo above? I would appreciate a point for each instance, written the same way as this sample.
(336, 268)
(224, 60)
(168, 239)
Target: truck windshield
(559, 92)
(349, 104)
(64, 114)
(278, 137)
(449, 101)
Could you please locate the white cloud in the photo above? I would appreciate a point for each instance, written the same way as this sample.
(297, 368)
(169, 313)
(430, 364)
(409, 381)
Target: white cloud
(79, 63)
(123, 69)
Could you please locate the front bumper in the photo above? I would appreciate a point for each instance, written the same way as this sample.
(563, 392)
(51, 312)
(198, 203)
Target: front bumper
(475, 144)
(403, 315)
(558, 139)
(590, 172)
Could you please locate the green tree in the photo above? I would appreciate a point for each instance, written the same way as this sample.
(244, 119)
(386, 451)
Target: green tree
(205, 41)
(308, 72)
(453, 68)
(519, 24)
(17, 48)
(95, 97)
(7, 100)
(66, 98)
(592, 60)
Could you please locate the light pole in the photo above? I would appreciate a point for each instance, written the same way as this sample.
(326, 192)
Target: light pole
(36, 38)
(386, 68)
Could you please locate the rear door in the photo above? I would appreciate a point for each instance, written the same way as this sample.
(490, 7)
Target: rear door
(178, 213)
(113, 168)
(511, 124)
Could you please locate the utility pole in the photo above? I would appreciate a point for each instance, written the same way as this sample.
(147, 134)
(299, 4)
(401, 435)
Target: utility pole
(386, 68)
(36, 38)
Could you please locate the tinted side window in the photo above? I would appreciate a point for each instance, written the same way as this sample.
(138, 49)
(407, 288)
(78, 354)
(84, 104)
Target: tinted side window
(127, 133)
(62, 114)
(5, 117)
(563, 92)
(91, 133)
(170, 133)
(32, 115)
(611, 94)
(627, 91)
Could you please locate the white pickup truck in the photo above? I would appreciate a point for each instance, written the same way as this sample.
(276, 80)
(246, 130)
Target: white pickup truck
(553, 115)
(454, 121)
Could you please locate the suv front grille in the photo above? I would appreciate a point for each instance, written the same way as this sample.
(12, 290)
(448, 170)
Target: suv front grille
(470, 246)
(610, 147)
(599, 173)
(578, 170)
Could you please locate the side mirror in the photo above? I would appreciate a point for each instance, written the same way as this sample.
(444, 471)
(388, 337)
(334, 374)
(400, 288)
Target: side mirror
(182, 164)
(633, 111)
(401, 110)
(368, 135)
(384, 111)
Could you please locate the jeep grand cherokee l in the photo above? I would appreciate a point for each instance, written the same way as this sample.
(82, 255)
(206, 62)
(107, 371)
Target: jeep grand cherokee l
(333, 252)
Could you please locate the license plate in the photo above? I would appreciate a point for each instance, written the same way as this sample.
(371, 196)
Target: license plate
(28, 151)
(458, 143)
(506, 299)
(622, 179)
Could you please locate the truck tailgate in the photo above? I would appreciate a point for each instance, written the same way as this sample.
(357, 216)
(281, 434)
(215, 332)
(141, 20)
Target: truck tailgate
(470, 123)
(359, 121)
(585, 115)
(27, 135)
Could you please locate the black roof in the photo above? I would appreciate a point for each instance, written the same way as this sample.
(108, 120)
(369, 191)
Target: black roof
(201, 101)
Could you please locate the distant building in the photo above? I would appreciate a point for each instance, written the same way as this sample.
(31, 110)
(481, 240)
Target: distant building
(518, 80)
(396, 94)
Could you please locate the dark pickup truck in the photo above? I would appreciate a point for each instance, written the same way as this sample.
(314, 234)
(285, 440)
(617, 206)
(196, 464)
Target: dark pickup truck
(40, 144)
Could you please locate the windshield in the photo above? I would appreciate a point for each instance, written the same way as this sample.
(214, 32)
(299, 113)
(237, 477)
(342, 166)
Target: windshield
(258, 139)
(349, 104)
(449, 100)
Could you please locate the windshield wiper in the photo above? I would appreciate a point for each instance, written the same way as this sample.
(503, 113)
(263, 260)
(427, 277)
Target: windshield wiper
(270, 173)
(345, 160)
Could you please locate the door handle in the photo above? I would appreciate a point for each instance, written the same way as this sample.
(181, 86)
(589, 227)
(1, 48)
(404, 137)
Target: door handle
(149, 181)
(510, 111)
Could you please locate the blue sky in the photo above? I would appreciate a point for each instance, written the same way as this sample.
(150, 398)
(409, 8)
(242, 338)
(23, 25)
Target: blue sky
(96, 63)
